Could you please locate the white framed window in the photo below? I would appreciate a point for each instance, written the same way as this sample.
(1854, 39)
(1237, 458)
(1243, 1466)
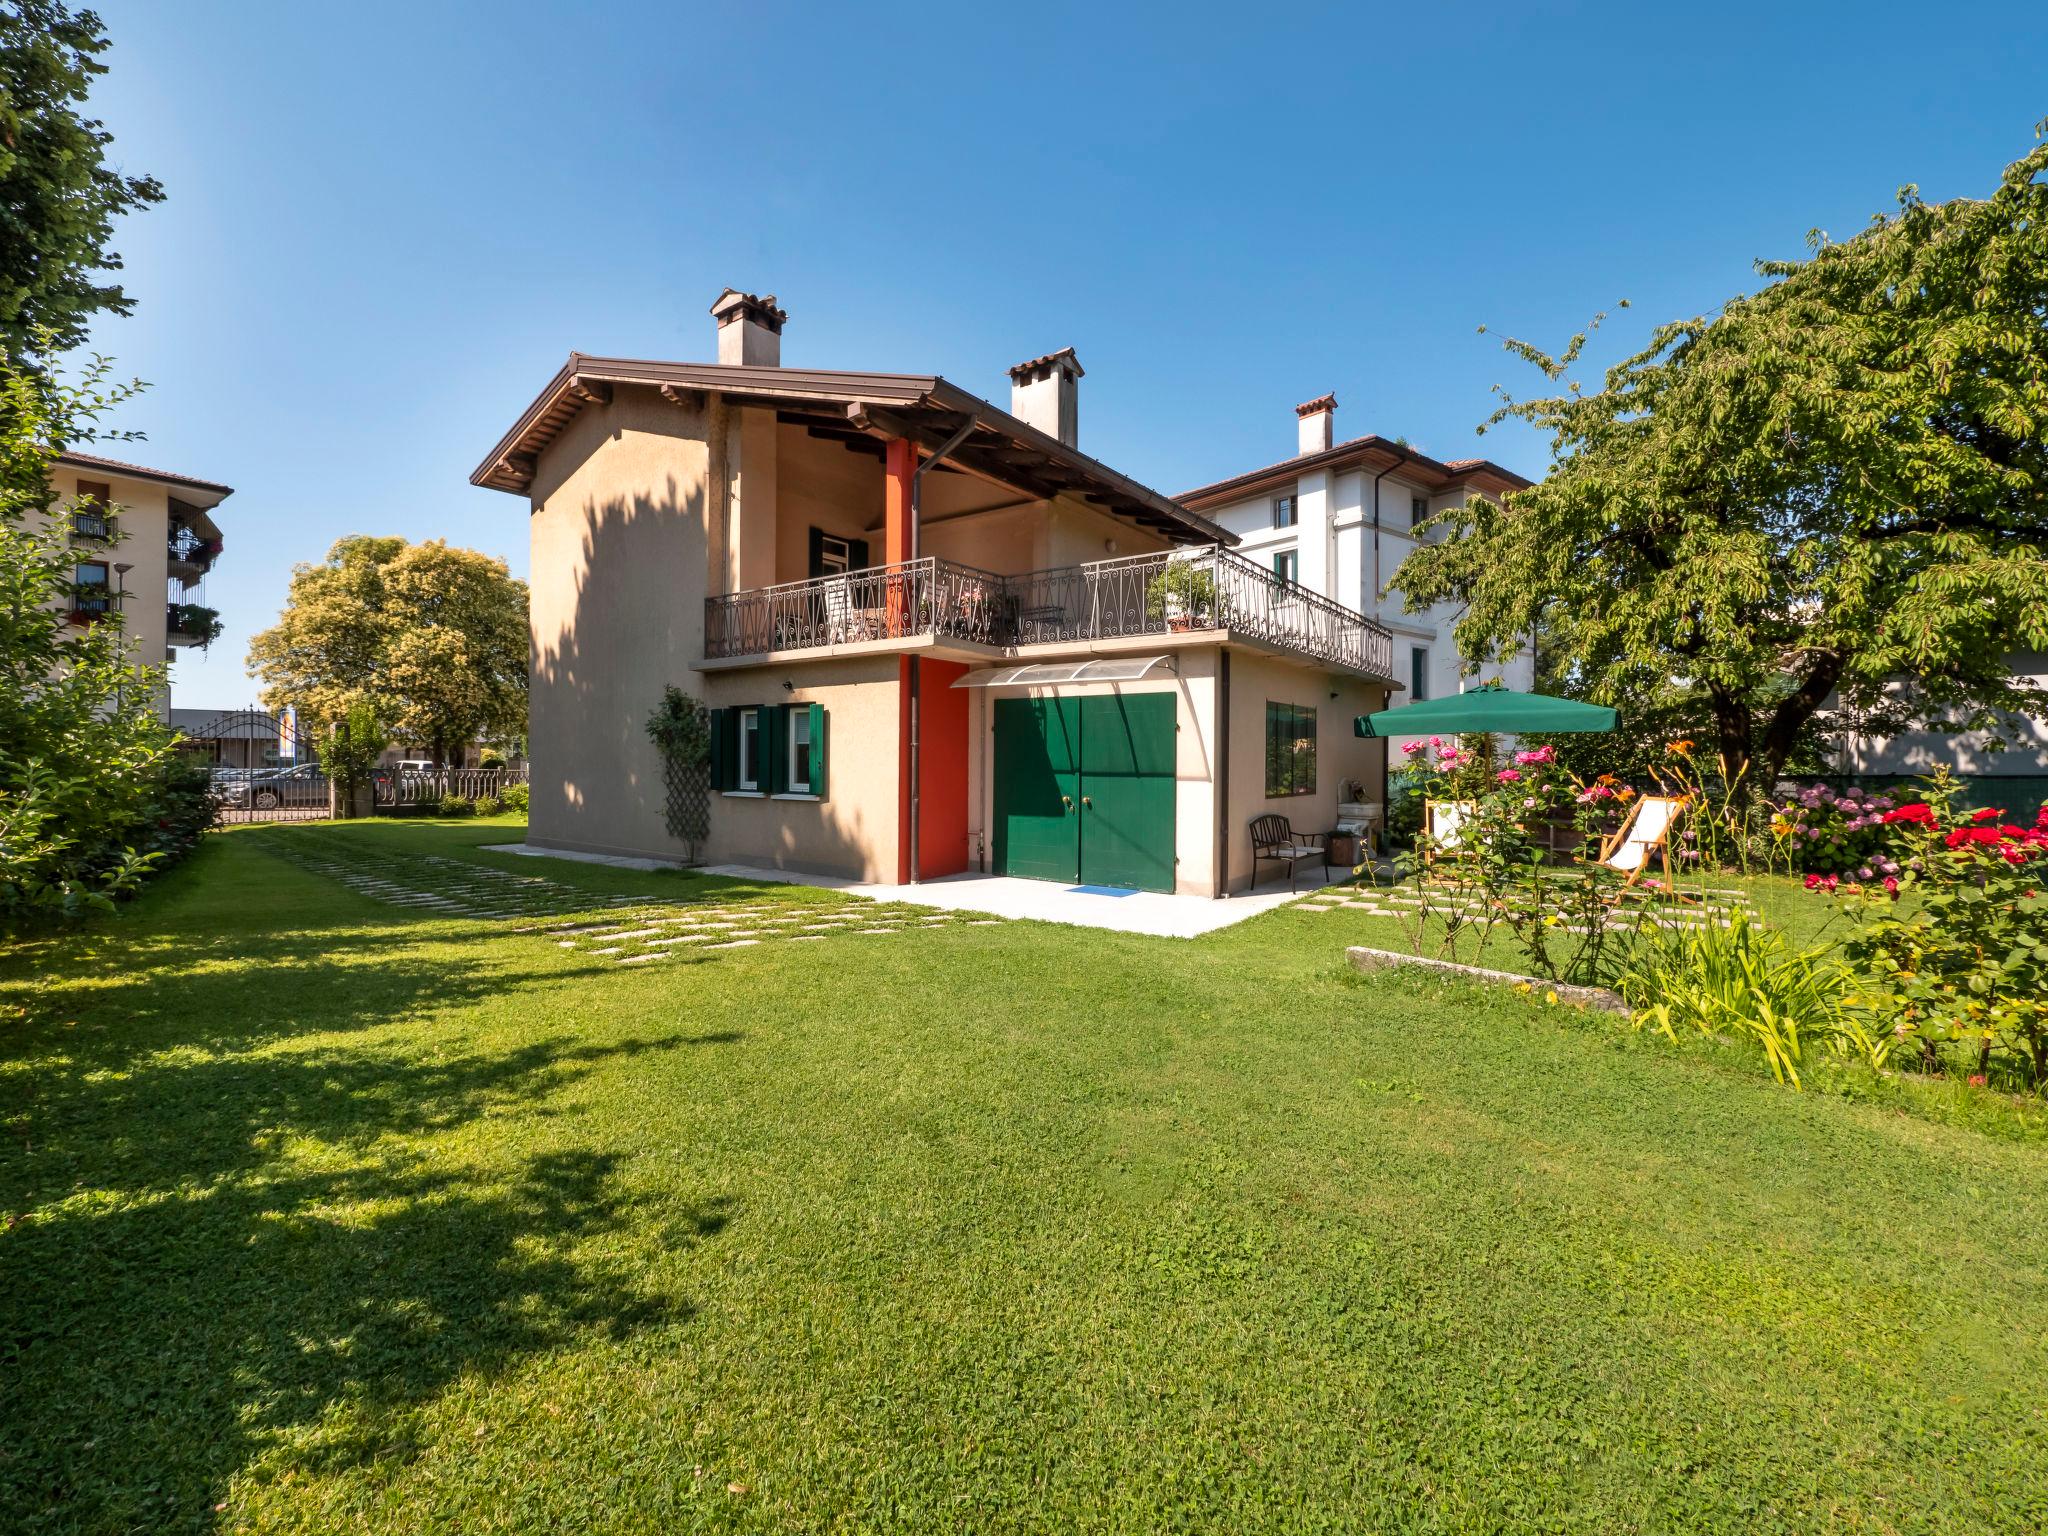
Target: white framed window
(750, 749)
(1287, 564)
(799, 754)
(835, 555)
(1285, 512)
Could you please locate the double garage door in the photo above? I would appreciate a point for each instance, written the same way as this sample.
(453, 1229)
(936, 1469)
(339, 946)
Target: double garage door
(1084, 789)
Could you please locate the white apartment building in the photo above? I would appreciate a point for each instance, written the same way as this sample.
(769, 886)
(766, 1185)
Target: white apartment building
(1339, 518)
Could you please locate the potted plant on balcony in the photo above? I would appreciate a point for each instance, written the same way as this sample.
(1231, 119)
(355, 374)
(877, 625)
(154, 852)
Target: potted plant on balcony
(195, 621)
(1181, 594)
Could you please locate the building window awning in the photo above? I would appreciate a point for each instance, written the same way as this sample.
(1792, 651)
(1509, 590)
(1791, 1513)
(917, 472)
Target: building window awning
(1118, 669)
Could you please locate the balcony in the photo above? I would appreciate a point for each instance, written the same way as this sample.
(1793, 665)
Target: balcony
(1208, 590)
(190, 624)
(188, 551)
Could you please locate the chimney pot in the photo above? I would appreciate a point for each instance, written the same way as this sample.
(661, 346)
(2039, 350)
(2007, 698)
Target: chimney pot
(749, 328)
(1316, 420)
(1043, 394)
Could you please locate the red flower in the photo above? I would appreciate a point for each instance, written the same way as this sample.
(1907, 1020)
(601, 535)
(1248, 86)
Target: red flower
(1989, 813)
(1962, 835)
(1922, 815)
(2013, 855)
(1976, 1079)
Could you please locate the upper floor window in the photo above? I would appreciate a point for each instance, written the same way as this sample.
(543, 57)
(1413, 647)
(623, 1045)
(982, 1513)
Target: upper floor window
(1287, 564)
(89, 588)
(1418, 673)
(89, 516)
(1418, 511)
(1285, 513)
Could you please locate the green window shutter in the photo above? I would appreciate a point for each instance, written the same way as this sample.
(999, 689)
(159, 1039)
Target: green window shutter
(728, 754)
(774, 749)
(858, 559)
(818, 750)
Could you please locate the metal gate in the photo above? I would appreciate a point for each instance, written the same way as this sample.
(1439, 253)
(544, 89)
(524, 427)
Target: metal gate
(263, 766)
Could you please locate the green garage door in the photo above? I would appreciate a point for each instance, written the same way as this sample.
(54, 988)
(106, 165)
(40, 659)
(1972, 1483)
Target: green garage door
(1084, 789)
(1037, 789)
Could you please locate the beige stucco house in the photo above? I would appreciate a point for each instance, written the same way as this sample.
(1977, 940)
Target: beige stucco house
(936, 637)
(145, 539)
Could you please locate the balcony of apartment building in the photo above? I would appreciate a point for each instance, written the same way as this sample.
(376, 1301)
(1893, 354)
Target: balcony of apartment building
(192, 543)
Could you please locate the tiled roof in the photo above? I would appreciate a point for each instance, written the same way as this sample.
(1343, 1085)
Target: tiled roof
(121, 467)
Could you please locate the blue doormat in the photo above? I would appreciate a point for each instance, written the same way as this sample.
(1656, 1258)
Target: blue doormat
(1100, 890)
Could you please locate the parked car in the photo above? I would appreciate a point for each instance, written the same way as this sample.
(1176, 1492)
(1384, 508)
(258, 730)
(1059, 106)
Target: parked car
(265, 789)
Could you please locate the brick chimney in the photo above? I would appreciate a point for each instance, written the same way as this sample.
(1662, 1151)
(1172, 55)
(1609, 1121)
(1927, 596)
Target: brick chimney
(1043, 394)
(1316, 422)
(749, 329)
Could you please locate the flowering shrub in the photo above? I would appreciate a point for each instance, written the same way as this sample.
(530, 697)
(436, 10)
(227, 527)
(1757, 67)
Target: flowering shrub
(1952, 951)
(1500, 872)
(1844, 835)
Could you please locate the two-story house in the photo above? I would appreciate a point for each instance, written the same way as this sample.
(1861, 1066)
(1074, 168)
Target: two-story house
(1341, 517)
(936, 637)
(145, 539)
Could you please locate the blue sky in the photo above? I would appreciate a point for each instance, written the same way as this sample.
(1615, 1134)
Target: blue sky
(386, 225)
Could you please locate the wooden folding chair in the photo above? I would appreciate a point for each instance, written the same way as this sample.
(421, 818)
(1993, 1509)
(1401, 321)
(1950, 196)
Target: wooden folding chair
(1444, 822)
(1644, 834)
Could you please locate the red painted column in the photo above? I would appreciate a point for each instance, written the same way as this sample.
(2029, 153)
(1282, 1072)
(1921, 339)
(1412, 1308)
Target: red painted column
(899, 462)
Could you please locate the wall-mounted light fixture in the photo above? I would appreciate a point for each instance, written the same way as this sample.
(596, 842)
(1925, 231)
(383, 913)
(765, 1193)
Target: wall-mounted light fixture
(789, 687)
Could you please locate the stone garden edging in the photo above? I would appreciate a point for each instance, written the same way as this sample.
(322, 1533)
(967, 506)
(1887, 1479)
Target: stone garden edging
(1602, 998)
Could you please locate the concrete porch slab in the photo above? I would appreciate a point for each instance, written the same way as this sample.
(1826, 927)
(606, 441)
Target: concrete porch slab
(1045, 901)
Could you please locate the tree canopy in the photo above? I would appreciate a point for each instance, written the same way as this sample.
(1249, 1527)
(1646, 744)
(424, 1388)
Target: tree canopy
(1834, 486)
(432, 638)
(58, 195)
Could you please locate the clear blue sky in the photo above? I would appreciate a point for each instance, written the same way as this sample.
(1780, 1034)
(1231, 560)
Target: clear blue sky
(387, 224)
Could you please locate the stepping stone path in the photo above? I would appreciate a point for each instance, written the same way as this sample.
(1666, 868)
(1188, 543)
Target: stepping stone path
(1716, 908)
(638, 932)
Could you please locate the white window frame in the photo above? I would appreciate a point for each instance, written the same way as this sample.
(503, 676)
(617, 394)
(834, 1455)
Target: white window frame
(835, 554)
(1293, 559)
(750, 724)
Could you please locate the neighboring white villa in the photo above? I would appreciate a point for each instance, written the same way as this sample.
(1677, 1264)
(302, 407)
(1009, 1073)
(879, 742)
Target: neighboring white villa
(1339, 518)
(2017, 773)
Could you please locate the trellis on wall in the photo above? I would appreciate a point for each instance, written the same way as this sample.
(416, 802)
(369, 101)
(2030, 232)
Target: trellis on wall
(681, 730)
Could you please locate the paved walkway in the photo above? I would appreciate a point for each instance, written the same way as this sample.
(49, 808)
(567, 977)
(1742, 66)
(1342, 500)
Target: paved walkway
(1172, 917)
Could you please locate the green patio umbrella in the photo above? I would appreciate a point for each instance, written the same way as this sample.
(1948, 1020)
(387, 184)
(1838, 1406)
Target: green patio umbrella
(1487, 709)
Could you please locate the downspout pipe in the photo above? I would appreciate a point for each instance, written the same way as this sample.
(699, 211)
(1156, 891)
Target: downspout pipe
(916, 668)
(1376, 479)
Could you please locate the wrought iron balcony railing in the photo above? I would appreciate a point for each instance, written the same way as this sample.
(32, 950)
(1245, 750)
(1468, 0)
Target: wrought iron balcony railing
(189, 548)
(1107, 599)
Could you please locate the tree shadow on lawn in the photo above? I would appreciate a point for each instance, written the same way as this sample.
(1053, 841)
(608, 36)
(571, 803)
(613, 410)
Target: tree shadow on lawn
(298, 1300)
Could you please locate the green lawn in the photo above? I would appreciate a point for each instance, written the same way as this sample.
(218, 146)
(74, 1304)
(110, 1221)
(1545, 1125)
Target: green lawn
(323, 1214)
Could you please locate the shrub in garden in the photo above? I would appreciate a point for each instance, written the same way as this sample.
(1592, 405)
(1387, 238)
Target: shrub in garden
(1747, 981)
(489, 805)
(515, 797)
(93, 797)
(1843, 834)
(1952, 951)
(454, 805)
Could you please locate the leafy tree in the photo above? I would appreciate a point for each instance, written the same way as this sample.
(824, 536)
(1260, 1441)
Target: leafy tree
(1835, 484)
(431, 637)
(350, 749)
(58, 196)
(92, 796)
